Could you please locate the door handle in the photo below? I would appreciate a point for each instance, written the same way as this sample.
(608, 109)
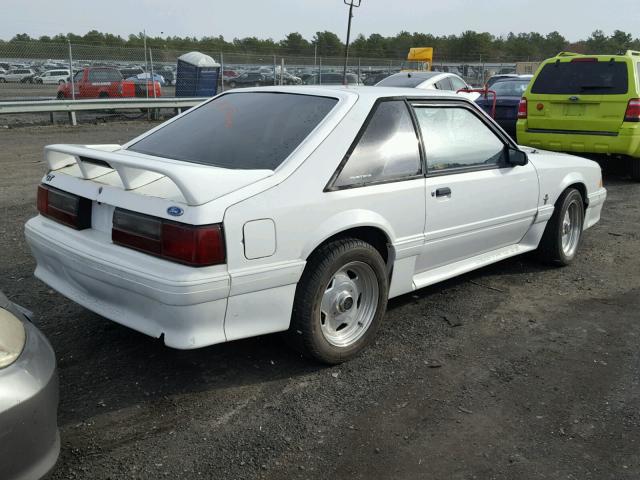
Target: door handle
(442, 192)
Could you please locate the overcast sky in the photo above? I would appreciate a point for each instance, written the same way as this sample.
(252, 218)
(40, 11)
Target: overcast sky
(575, 19)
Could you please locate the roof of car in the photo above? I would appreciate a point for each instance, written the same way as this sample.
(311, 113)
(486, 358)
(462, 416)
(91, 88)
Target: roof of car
(360, 91)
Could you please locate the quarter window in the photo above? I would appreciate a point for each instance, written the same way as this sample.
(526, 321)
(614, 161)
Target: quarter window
(455, 138)
(444, 84)
(387, 150)
(458, 84)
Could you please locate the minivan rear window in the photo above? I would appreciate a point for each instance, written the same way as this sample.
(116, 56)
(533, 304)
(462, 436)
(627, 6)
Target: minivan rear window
(582, 77)
(245, 131)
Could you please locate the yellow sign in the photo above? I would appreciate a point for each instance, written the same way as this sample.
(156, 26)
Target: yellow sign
(421, 54)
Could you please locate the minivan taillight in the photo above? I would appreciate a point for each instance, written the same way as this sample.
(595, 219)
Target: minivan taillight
(194, 245)
(64, 207)
(522, 108)
(633, 111)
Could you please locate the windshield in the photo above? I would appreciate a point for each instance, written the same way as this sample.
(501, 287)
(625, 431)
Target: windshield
(409, 80)
(582, 77)
(510, 88)
(252, 130)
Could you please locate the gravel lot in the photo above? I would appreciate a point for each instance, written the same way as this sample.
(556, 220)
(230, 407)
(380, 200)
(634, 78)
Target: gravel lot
(517, 370)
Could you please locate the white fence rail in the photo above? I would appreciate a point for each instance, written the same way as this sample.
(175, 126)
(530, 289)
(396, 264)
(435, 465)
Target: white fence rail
(73, 106)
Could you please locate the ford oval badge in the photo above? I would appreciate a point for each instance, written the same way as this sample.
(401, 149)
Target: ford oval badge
(175, 211)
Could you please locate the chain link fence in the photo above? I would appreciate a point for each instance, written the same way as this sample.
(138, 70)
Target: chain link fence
(38, 70)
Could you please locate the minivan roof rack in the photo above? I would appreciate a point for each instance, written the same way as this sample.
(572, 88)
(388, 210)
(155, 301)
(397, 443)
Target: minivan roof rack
(567, 54)
(633, 53)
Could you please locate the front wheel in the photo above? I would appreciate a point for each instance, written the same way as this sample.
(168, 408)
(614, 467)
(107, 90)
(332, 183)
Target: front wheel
(340, 301)
(559, 244)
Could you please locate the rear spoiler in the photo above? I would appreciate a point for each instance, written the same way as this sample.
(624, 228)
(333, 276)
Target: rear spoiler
(193, 180)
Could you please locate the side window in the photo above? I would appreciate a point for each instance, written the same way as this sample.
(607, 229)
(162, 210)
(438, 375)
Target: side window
(455, 138)
(444, 84)
(457, 83)
(387, 150)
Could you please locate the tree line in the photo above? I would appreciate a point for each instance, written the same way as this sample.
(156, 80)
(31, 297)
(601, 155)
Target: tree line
(468, 46)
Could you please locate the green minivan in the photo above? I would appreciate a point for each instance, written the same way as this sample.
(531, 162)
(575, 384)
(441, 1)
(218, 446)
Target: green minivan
(588, 104)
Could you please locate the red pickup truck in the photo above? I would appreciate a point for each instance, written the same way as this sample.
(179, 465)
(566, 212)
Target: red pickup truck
(106, 82)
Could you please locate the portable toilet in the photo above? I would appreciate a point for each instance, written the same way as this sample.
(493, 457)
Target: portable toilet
(197, 75)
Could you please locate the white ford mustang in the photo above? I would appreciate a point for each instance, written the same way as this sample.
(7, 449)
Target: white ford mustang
(299, 209)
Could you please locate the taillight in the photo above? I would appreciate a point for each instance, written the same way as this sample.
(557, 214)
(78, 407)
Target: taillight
(633, 111)
(64, 207)
(194, 245)
(522, 108)
(584, 60)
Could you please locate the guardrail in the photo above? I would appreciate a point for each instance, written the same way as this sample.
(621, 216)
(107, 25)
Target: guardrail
(72, 106)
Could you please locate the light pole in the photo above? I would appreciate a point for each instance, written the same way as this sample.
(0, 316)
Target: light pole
(352, 4)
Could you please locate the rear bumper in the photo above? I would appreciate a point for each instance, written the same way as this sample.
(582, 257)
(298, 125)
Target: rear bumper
(29, 438)
(154, 297)
(626, 142)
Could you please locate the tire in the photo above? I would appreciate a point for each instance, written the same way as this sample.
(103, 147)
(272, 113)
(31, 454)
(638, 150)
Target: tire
(103, 95)
(634, 167)
(60, 96)
(232, 85)
(3, 80)
(61, 82)
(561, 239)
(340, 301)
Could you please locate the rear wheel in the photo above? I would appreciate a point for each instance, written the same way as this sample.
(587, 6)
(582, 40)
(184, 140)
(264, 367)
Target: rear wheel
(232, 85)
(61, 82)
(340, 301)
(634, 164)
(60, 96)
(561, 239)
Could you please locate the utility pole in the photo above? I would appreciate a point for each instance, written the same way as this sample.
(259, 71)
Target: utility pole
(146, 66)
(352, 4)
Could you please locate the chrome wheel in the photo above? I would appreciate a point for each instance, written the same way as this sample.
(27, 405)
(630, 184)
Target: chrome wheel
(571, 228)
(349, 304)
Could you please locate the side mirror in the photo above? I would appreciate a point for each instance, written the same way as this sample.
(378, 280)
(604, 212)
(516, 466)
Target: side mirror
(516, 157)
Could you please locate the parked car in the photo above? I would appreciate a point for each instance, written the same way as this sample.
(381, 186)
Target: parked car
(21, 75)
(229, 74)
(508, 94)
(374, 78)
(105, 82)
(144, 78)
(332, 79)
(249, 79)
(299, 209)
(168, 75)
(585, 104)
(504, 76)
(127, 72)
(53, 77)
(429, 81)
(28, 397)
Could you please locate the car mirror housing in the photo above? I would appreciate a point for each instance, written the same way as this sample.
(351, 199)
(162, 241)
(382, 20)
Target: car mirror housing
(517, 157)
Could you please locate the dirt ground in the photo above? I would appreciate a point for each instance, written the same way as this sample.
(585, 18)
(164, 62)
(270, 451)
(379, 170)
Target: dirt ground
(517, 370)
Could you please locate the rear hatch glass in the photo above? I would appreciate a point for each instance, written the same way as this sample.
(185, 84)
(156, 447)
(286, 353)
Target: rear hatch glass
(582, 95)
(406, 80)
(588, 78)
(253, 130)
